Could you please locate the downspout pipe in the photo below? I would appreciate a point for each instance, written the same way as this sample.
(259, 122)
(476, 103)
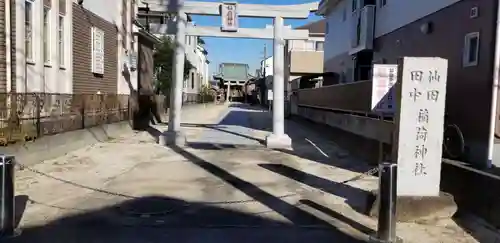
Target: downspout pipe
(494, 90)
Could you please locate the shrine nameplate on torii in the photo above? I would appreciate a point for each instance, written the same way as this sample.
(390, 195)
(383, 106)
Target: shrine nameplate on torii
(229, 17)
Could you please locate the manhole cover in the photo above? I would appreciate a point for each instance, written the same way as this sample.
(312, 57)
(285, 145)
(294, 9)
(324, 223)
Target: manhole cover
(151, 207)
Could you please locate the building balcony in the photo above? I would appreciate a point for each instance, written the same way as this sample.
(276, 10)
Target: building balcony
(306, 62)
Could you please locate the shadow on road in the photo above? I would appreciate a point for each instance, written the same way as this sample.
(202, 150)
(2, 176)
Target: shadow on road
(294, 214)
(200, 224)
(356, 225)
(20, 204)
(305, 144)
(355, 198)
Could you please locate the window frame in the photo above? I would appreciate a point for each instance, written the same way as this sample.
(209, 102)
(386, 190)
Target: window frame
(354, 5)
(61, 45)
(46, 25)
(96, 52)
(316, 46)
(28, 41)
(382, 3)
(467, 49)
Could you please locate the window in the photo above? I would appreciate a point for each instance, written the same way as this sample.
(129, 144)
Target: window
(61, 41)
(320, 45)
(310, 45)
(382, 3)
(474, 12)
(28, 28)
(471, 50)
(46, 34)
(97, 50)
(354, 5)
(192, 80)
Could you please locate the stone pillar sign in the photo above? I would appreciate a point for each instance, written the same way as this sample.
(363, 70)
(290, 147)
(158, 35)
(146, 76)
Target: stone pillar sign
(419, 125)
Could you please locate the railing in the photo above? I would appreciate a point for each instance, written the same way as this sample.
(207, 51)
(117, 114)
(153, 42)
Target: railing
(349, 97)
(26, 116)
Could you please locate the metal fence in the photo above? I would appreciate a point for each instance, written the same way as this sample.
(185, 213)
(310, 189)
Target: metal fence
(26, 116)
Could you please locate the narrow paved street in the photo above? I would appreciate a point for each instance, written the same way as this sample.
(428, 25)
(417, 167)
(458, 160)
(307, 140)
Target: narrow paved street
(225, 186)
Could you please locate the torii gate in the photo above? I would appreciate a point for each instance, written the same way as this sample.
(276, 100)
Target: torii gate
(230, 11)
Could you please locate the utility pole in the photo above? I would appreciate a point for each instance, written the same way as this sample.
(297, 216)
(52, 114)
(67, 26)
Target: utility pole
(263, 66)
(264, 74)
(265, 57)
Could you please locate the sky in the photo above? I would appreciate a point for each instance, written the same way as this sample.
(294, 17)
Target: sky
(249, 51)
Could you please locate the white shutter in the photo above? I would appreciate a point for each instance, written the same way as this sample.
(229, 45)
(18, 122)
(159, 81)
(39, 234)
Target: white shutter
(97, 50)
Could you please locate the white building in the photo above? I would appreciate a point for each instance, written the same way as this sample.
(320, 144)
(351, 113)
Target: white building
(61, 46)
(195, 52)
(197, 56)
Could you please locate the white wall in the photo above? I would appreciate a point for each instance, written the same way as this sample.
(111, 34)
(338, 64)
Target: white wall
(34, 74)
(398, 13)
(191, 44)
(199, 62)
(267, 65)
(394, 15)
(337, 33)
(206, 74)
(304, 45)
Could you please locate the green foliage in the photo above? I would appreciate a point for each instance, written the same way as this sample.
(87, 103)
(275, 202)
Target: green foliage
(205, 89)
(201, 41)
(163, 63)
(207, 94)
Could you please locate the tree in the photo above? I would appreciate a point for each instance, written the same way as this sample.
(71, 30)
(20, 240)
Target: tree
(163, 64)
(201, 41)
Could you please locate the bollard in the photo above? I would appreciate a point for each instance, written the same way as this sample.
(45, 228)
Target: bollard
(386, 231)
(7, 203)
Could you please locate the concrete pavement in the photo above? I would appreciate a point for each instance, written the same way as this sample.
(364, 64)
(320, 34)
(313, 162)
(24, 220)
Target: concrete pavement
(224, 187)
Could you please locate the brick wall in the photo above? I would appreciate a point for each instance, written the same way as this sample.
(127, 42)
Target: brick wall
(3, 81)
(13, 43)
(3, 53)
(84, 81)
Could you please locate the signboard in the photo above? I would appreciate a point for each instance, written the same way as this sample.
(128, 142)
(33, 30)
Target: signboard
(383, 80)
(229, 16)
(97, 46)
(270, 94)
(420, 126)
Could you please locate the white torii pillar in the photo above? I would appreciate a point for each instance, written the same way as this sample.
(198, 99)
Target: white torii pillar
(174, 136)
(278, 139)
